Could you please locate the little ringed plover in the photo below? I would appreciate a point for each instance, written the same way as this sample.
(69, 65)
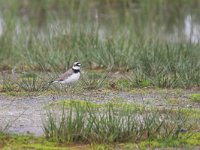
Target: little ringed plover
(70, 76)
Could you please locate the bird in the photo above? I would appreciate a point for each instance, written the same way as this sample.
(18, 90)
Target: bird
(70, 76)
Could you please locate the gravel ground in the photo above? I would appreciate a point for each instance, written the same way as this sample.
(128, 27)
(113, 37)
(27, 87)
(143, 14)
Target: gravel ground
(24, 113)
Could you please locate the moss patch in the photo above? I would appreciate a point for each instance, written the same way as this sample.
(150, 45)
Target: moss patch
(27, 142)
(195, 98)
(186, 140)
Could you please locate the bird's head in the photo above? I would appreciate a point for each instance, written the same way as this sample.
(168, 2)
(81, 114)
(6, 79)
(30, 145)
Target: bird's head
(76, 66)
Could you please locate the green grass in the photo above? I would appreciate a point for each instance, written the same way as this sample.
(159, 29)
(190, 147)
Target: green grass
(26, 82)
(40, 143)
(114, 35)
(13, 141)
(195, 97)
(85, 122)
(93, 80)
(117, 36)
(75, 124)
(186, 140)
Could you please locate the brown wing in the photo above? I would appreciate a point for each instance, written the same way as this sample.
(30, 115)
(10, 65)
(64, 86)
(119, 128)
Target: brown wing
(65, 75)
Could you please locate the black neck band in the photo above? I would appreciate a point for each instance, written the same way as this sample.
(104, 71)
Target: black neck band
(75, 70)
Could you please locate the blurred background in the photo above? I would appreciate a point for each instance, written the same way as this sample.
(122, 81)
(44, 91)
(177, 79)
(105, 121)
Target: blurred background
(173, 18)
(47, 34)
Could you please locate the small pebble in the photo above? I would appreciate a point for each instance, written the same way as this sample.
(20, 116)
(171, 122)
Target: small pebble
(189, 106)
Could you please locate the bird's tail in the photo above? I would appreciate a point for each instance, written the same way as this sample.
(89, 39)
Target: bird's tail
(52, 82)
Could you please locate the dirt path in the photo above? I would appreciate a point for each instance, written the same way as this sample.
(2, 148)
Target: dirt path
(25, 113)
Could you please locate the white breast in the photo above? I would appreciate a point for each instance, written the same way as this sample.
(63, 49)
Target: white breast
(71, 79)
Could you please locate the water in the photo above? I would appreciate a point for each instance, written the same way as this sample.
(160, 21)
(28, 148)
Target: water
(191, 30)
(1, 25)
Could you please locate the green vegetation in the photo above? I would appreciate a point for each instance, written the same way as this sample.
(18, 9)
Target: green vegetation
(40, 143)
(85, 122)
(75, 124)
(122, 45)
(29, 82)
(93, 80)
(26, 142)
(115, 35)
(195, 97)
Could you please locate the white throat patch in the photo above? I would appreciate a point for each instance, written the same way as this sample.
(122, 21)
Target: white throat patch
(76, 67)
